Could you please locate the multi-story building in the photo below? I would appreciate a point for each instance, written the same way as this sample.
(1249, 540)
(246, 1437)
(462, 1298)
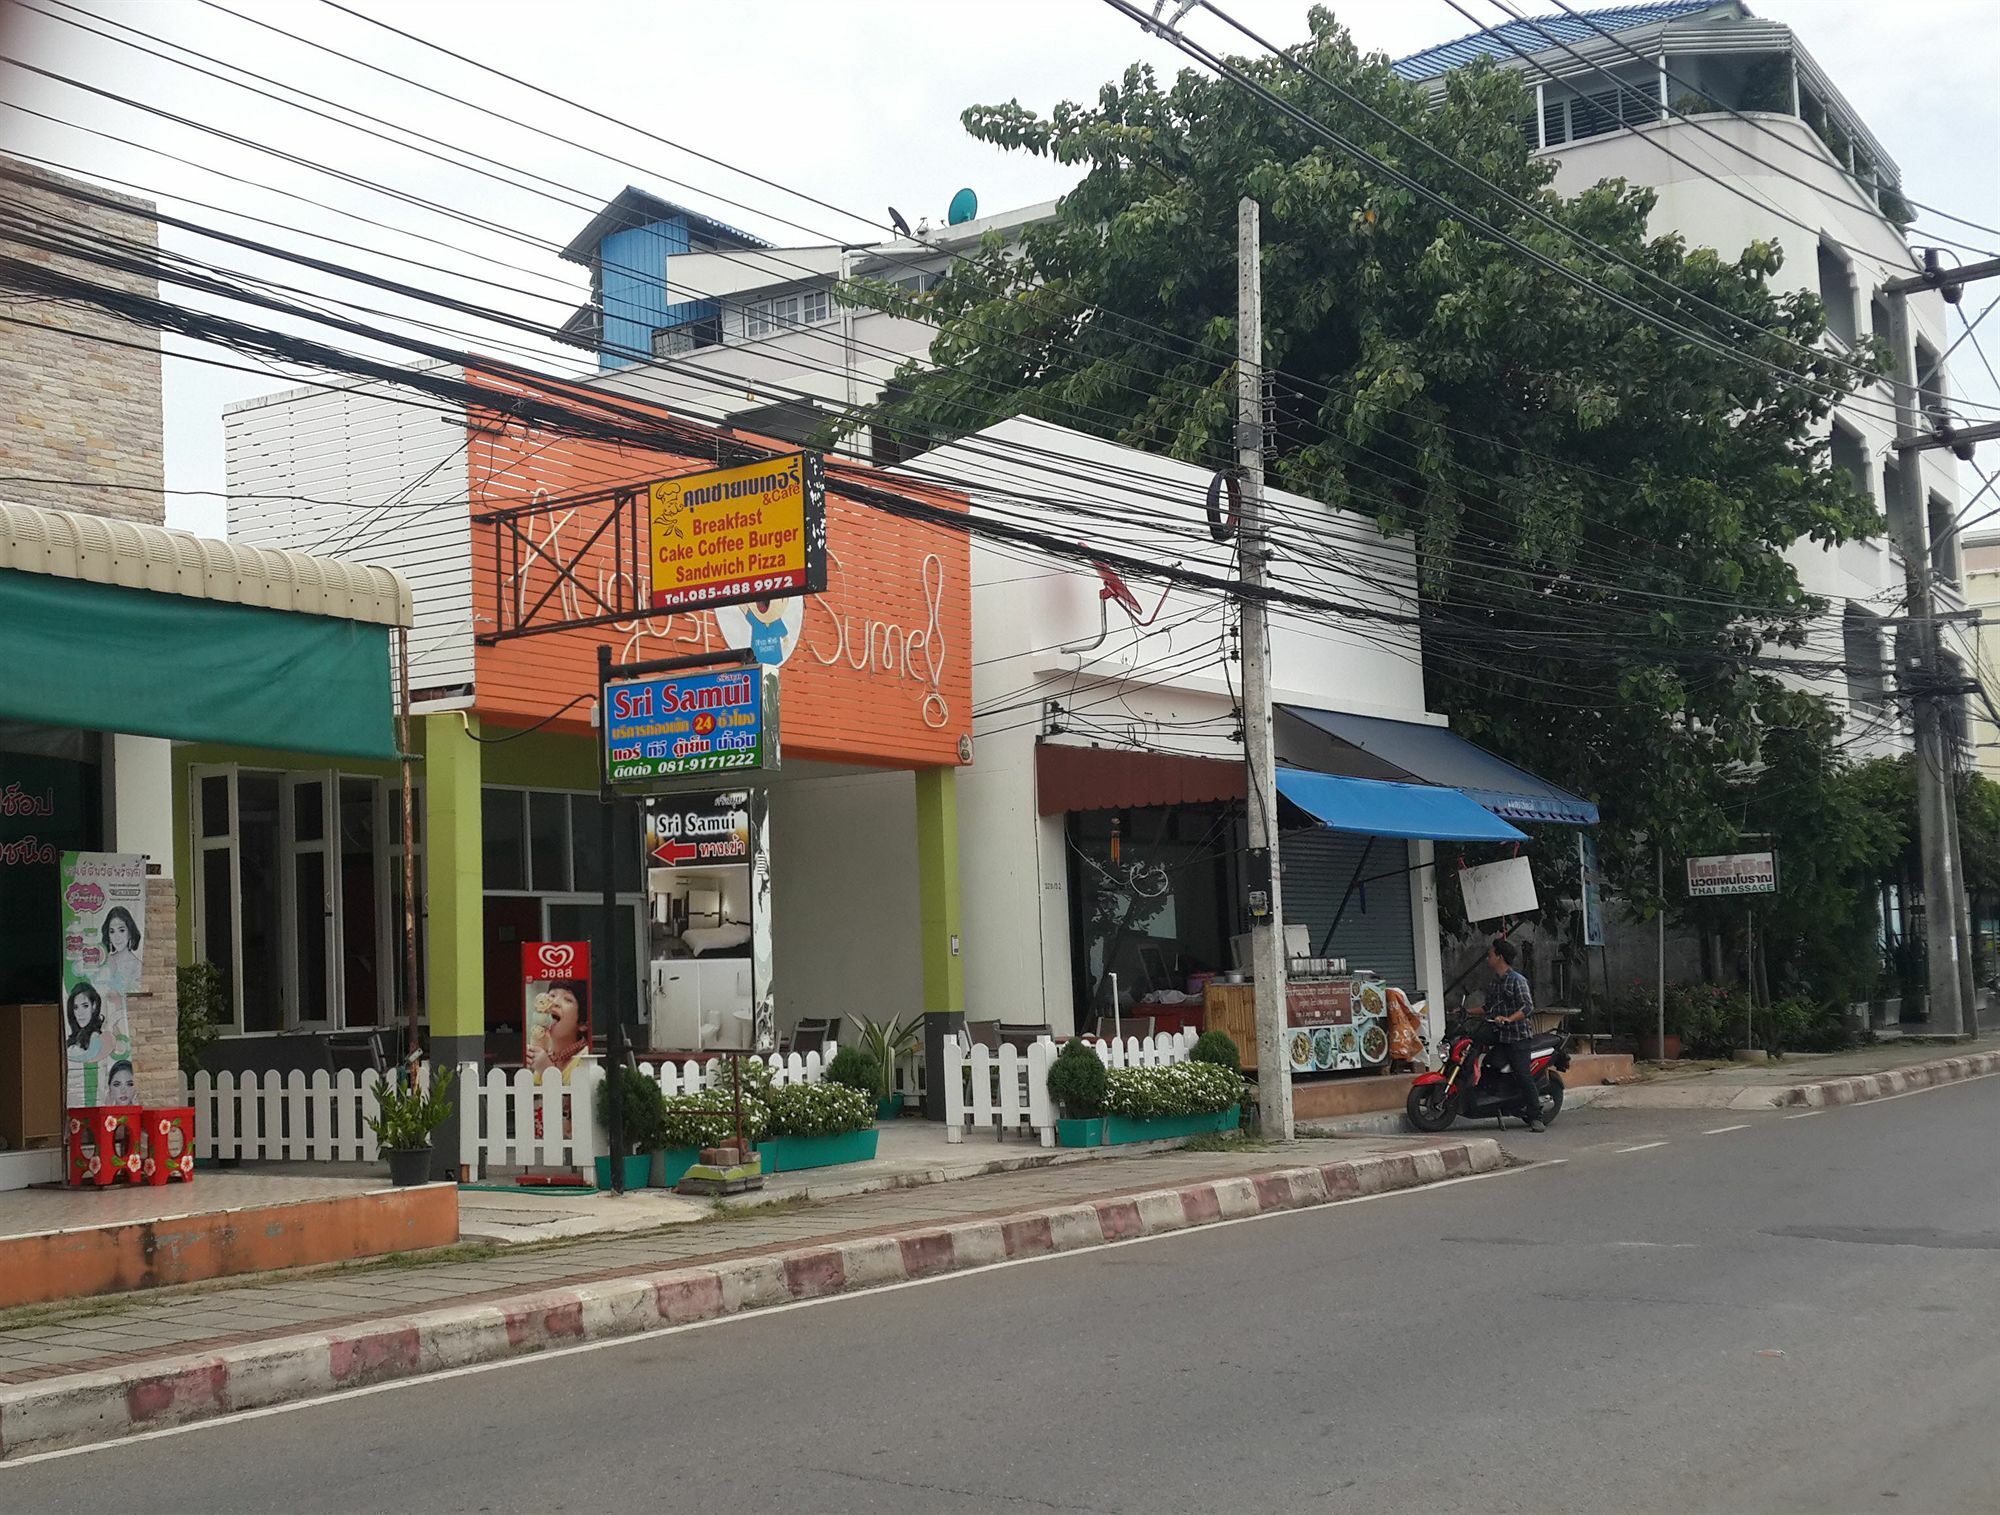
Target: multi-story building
(1743, 138)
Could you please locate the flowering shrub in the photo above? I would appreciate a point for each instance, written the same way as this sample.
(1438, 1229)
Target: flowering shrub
(819, 1110)
(1178, 1089)
(708, 1119)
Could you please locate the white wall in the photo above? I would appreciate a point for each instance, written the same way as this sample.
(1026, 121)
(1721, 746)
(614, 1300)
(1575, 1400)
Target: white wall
(844, 896)
(397, 480)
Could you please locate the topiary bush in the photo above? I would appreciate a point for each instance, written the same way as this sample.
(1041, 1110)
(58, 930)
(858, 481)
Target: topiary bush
(1216, 1047)
(644, 1108)
(1179, 1089)
(855, 1069)
(1077, 1081)
(825, 1109)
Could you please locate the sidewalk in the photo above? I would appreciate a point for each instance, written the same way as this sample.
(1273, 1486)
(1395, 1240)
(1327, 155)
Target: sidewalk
(103, 1367)
(1871, 1072)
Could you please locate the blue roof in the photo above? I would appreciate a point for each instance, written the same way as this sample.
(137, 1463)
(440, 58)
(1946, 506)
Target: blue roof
(1533, 35)
(1375, 807)
(1437, 756)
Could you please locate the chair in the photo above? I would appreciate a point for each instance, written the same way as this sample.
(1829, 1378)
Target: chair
(810, 1036)
(983, 1034)
(1128, 1025)
(1022, 1035)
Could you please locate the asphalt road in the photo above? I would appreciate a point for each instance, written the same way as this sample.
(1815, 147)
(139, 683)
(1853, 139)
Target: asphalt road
(1801, 1314)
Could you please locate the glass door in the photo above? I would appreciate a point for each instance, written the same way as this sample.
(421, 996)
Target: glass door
(311, 949)
(583, 921)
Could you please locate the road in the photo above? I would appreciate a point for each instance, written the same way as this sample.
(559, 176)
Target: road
(1800, 1314)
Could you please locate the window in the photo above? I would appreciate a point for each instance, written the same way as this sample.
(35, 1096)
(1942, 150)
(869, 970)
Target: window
(1850, 456)
(261, 996)
(1836, 293)
(1944, 540)
(503, 821)
(1930, 378)
(763, 318)
(921, 282)
(1861, 651)
(688, 336)
(1878, 316)
(1892, 498)
(548, 843)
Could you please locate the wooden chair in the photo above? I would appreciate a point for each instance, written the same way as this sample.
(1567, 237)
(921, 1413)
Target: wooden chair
(810, 1036)
(983, 1034)
(1021, 1035)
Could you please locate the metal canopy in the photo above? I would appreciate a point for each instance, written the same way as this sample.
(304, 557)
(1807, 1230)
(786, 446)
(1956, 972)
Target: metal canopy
(1373, 807)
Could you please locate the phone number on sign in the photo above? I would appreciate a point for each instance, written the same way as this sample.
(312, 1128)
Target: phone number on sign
(740, 589)
(664, 768)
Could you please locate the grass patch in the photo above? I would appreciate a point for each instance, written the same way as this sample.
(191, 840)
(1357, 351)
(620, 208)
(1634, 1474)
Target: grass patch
(736, 1209)
(61, 1311)
(1226, 1141)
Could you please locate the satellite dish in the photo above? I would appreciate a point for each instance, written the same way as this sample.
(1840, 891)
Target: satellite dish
(896, 220)
(964, 206)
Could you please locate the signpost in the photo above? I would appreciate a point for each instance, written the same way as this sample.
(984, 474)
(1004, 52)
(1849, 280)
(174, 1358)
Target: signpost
(736, 535)
(675, 726)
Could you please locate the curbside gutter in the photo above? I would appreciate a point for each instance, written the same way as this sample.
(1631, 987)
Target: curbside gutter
(103, 1406)
(1861, 1088)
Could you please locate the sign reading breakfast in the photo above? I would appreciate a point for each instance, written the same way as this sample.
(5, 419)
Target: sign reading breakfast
(731, 536)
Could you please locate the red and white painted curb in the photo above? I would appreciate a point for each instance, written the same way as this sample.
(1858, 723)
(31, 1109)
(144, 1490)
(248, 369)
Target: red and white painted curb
(102, 1406)
(1864, 1087)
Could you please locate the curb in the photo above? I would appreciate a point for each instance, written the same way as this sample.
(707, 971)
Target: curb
(103, 1406)
(1864, 1087)
(1392, 1123)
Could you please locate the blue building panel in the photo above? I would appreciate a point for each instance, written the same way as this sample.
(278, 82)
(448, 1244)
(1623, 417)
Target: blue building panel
(1541, 33)
(633, 275)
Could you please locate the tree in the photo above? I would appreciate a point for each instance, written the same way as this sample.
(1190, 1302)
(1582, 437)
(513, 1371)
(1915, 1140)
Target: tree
(1600, 509)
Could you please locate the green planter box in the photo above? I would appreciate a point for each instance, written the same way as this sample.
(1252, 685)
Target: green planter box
(889, 1107)
(672, 1165)
(790, 1154)
(1116, 1130)
(636, 1171)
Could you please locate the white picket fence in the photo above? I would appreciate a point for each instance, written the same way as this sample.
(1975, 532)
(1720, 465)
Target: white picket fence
(1008, 1090)
(509, 1119)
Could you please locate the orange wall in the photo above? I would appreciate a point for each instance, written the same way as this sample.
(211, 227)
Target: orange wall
(881, 669)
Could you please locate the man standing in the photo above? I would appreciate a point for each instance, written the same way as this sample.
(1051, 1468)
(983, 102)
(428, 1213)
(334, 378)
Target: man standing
(1510, 1010)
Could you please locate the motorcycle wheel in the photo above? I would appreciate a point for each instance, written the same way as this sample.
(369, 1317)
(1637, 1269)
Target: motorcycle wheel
(1552, 1098)
(1430, 1108)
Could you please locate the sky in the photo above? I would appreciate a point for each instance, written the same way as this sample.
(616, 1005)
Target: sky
(853, 102)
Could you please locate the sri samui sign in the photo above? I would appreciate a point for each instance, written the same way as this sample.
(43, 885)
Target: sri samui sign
(669, 726)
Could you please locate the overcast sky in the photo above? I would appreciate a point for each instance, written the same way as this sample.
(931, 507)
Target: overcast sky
(855, 102)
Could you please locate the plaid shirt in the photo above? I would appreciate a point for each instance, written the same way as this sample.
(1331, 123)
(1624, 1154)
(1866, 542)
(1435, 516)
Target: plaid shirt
(1507, 993)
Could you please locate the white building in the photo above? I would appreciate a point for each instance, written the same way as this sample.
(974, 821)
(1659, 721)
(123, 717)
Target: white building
(1743, 138)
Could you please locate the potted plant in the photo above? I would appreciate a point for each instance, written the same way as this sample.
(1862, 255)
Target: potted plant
(1077, 1081)
(406, 1115)
(889, 1041)
(1163, 1104)
(643, 1108)
(817, 1126)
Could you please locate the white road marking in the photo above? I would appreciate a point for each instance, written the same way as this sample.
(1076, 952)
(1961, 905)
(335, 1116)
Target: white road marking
(1642, 1147)
(729, 1320)
(1804, 1114)
(1719, 1130)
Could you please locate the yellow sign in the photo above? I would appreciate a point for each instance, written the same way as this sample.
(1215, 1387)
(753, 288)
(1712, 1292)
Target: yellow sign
(739, 534)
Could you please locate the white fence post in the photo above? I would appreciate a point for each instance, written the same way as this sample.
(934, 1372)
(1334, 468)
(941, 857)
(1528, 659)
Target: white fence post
(954, 1089)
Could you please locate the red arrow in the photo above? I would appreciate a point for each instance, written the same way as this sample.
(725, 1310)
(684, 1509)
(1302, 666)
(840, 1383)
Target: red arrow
(673, 854)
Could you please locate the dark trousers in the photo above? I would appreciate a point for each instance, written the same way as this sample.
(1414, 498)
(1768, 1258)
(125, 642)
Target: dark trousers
(1519, 1061)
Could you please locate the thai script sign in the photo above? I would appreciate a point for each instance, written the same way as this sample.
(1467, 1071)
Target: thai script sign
(1733, 873)
(700, 828)
(555, 1007)
(669, 726)
(733, 535)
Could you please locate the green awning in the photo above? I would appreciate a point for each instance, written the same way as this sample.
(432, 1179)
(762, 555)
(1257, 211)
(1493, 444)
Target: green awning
(103, 657)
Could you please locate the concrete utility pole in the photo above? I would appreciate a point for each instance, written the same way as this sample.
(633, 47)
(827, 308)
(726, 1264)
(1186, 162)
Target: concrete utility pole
(1947, 932)
(1267, 924)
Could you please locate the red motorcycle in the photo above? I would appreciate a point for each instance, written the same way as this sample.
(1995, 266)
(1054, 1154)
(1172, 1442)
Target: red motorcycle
(1469, 1085)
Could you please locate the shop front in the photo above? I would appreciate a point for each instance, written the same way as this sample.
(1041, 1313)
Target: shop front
(124, 641)
(873, 680)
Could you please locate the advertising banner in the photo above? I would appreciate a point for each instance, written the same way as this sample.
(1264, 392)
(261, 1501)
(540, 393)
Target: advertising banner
(555, 994)
(732, 535)
(1733, 873)
(699, 829)
(672, 726)
(103, 903)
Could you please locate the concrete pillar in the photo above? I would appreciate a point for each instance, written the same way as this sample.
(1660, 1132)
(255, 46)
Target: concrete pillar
(940, 927)
(454, 892)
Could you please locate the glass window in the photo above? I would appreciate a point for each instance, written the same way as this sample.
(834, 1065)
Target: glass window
(361, 983)
(504, 820)
(587, 843)
(630, 835)
(815, 306)
(257, 800)
(215, 805)
(548, 843)
(309, 812)
(310, 925)
(218, 917)
(1151, 899)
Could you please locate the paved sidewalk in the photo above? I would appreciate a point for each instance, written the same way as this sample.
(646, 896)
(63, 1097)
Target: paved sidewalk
(109, 1331)
(1871, 1072)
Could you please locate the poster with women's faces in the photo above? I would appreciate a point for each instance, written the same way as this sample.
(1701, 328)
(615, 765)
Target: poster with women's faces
(103, 905)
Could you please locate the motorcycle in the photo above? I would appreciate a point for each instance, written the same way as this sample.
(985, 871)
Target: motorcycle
(1468, 1083)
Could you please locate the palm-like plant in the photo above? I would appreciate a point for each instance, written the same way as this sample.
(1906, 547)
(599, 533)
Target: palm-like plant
(888, 1041)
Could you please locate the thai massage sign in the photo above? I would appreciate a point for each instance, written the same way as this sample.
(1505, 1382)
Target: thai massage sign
(103, 902)
(672, 725)
(733, 535)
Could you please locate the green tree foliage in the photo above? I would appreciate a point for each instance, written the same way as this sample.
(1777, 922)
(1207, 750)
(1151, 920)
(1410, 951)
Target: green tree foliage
(1600, 508)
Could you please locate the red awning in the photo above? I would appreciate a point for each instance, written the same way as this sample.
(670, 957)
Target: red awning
(1116, 778)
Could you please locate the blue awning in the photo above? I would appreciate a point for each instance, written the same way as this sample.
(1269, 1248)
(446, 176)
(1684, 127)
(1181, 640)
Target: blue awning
(1433, 755)
(1374, 807)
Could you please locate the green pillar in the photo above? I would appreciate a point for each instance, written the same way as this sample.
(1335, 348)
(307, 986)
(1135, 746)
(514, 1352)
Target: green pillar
(939, 923)
(455, 983)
